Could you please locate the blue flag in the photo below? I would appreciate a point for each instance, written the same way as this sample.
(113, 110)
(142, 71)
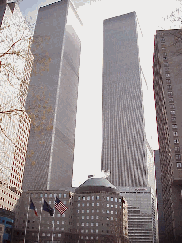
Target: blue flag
(32, 206)
(47, 208)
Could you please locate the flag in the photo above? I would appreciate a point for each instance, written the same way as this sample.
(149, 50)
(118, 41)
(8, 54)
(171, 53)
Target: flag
(32, 206)
(47, 208)
(60, 206)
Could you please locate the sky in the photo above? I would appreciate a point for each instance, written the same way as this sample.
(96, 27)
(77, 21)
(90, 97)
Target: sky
(88, 135)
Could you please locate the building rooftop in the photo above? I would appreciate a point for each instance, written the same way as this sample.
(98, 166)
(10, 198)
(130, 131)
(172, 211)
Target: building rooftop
(96, 185)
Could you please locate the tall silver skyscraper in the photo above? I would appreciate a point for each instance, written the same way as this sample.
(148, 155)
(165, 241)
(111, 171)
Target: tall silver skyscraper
(124, 143)
(52, 98)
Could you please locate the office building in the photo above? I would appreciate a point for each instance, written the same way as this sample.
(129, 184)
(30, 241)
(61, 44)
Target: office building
(52, 98)
(167, 88)
(15, 67)
(142, 225)
(96, 212)
(124, 143)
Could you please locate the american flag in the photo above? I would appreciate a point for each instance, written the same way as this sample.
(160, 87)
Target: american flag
(60, 206)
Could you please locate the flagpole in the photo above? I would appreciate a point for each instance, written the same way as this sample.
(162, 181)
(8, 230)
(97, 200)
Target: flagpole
(53, 228)
(40, 219)
(27, 220)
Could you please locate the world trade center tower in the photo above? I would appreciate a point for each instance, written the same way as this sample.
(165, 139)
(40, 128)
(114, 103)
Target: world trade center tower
(124, 142)
(52, 98)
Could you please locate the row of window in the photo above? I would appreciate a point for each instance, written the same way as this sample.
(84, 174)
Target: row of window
(97, 198)
(51, 195)
(172, 107)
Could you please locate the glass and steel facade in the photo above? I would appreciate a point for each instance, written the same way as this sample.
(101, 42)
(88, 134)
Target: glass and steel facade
(123, 145)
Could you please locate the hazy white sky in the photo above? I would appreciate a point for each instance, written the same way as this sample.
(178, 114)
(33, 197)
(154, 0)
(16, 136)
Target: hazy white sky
(88, 140)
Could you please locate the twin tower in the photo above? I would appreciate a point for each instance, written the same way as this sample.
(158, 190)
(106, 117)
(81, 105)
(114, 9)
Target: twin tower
(52, 101)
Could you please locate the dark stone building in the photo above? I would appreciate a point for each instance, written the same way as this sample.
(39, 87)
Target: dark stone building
(167, 84)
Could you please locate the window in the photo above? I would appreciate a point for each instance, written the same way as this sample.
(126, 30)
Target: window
(87, 224)
(82, 224)
(111, 218)
(175, 133)
(179, 165)
(111, 212)
(177, 149)
(97, 217)
(48, 234)
(88, 198)
(172, 106)
(83, 204)
(162, 40)
(107, 218)
(97, 204)
(107, 205)
(174, 126)
(91, 224)
(169, 87)
(83, 211)
(116, 206)
(83, 198)
(107, 211)
(78, 204)
(97, 197)
(58, 215)
(41, 195)
(59, 194)
(77, 224)
(82, 231)
(167, 74)
(92, 217)
(119, 199)
(87, 204)
(172, 112)
(86, 231)
(92, 197)
(43, 234)
(45, 195)
(168, 81)
(107, 198)
(92, 210)
(170, 93)
(78, 211)
(111, 205)
(96, 231)
(92, 231)
(59, 235)
(112, 199)
(50, 195)
(62, 222)
(83, 217)
(173, 119)
(64, 195)
(92, 204)
(87, 217)
(116, 199)
(87, 210)
(78, 198)
(176, 141)
(57, 222)
(178, 156)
